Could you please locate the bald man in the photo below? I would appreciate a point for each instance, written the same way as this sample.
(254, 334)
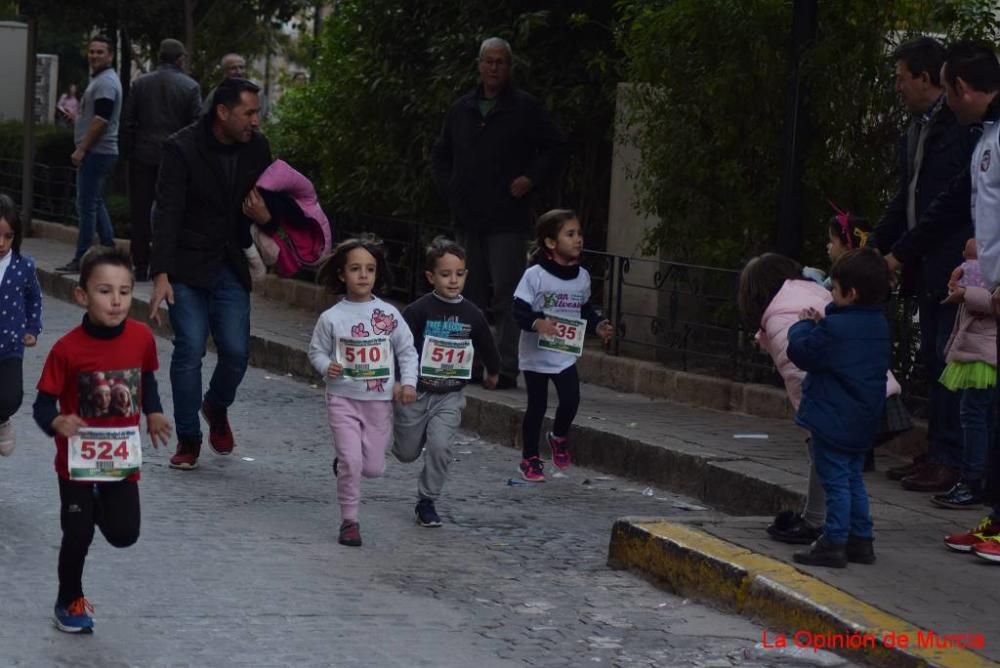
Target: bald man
(234, 66)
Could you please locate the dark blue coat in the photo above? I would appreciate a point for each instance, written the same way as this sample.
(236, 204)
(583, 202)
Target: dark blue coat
(846, 357)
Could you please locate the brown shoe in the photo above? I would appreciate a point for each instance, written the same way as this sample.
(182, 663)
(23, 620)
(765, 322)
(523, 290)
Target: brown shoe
(913, 468)
(933, 478)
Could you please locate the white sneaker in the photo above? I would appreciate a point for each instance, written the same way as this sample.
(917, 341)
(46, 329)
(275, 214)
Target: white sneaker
(7, 441)
(258, 270)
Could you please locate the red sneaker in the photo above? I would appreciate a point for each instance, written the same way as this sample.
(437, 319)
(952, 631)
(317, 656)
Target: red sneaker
(186, 457)
(220, 436)
(560, 450)
(988, 550)
(964, 542)
(350, 533)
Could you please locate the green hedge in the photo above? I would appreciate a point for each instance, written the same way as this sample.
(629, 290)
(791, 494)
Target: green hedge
(53, 145)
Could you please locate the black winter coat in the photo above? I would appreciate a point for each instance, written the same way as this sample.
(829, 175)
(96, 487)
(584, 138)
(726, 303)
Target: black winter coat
(475, 159)
(931, 250)
(198, 221)
(159, 104)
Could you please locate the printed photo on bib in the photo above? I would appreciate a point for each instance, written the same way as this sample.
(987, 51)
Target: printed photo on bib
(105, 394)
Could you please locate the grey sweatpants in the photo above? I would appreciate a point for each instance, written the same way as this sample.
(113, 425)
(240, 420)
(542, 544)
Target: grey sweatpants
(429, 423)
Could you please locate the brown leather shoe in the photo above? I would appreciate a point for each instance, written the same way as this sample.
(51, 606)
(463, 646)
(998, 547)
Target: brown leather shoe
(913, 468)
(933, 478)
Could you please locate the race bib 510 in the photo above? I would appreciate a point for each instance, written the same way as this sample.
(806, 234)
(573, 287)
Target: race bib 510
(364, 359)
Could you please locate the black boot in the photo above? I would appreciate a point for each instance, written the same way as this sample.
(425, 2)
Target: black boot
(823, 553)
(790, 527)
(860, 550)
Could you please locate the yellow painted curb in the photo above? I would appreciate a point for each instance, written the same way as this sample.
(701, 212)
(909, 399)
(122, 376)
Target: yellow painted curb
(693, 563)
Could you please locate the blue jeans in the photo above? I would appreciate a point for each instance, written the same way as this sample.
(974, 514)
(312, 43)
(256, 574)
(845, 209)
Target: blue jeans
(90, 206)
(223, 311)
(944, 427)
(846, 497)
(977, 425)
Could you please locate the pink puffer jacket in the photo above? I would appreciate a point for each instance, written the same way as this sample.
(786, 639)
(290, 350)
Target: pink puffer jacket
(778, 318)
(974, 337)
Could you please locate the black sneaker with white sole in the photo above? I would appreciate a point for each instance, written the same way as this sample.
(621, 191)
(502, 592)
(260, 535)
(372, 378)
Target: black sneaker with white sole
(426, 515)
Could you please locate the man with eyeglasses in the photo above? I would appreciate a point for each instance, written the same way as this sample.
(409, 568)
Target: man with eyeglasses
(497, 148)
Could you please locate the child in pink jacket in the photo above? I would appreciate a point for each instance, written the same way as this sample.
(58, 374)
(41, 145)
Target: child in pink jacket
(772, 293)
(971, 357)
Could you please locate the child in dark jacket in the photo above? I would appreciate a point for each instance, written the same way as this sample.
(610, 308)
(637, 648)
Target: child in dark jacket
(845, 356)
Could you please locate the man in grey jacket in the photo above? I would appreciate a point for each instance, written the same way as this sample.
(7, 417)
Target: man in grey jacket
(159, 104)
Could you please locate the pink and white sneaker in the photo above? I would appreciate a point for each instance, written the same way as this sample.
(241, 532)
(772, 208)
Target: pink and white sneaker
(532, 470)
(560, 450)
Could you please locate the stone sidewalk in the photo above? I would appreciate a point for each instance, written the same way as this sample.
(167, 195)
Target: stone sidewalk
(748, 466)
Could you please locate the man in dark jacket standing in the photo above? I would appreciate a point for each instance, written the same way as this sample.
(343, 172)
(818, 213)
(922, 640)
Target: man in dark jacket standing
(159, 104)
(205, 202)
(497, 147)
(935, 149)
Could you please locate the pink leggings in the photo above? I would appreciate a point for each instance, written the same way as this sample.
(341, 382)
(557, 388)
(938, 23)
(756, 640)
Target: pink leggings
(361, 434)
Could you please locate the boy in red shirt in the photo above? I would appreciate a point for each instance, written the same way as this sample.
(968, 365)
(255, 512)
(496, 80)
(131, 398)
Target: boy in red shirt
(98, 451)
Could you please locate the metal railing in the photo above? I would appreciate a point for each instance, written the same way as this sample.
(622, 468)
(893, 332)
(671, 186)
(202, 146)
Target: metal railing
(683, 315)
(54, 189)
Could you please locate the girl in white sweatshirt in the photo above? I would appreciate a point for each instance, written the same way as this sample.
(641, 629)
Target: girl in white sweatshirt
(356, 345)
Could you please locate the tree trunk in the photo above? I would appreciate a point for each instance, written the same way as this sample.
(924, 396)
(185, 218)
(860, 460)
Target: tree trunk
(189, 29)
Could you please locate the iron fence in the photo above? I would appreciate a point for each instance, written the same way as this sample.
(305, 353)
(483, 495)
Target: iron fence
(683, 315)
(54, 189)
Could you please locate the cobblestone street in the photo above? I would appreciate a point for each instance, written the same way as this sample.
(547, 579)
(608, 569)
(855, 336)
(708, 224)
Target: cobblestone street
(238, 562)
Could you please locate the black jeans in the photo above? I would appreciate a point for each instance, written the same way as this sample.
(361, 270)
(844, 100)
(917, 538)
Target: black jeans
(567, 384)
(496, 259)
(142, 193)
(944, 425)
(111, 506)
(11, 386)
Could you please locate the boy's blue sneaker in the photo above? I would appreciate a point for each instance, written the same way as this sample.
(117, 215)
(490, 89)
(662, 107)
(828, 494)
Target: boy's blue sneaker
(426, 514)
(75, 617)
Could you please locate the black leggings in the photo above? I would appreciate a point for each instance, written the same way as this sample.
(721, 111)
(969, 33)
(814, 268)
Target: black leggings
(111, 506)
(11, 386)
(567, 384)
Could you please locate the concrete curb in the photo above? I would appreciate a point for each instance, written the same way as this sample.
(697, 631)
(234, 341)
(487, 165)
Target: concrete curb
(692, 563)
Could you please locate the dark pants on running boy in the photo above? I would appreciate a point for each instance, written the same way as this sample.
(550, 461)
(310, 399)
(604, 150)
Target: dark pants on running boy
(567, 384)
(840, 472)
(11, 386)
(111, 506)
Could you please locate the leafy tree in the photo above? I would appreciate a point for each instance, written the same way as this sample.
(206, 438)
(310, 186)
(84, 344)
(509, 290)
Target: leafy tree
(249, 27)
(387, 72)
(708, 112)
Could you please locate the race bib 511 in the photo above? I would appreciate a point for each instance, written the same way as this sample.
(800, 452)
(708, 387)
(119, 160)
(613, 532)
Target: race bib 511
(446, 358)
(104, 454)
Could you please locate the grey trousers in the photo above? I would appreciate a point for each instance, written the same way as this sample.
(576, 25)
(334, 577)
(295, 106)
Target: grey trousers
(428, 425)
(814, 512)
